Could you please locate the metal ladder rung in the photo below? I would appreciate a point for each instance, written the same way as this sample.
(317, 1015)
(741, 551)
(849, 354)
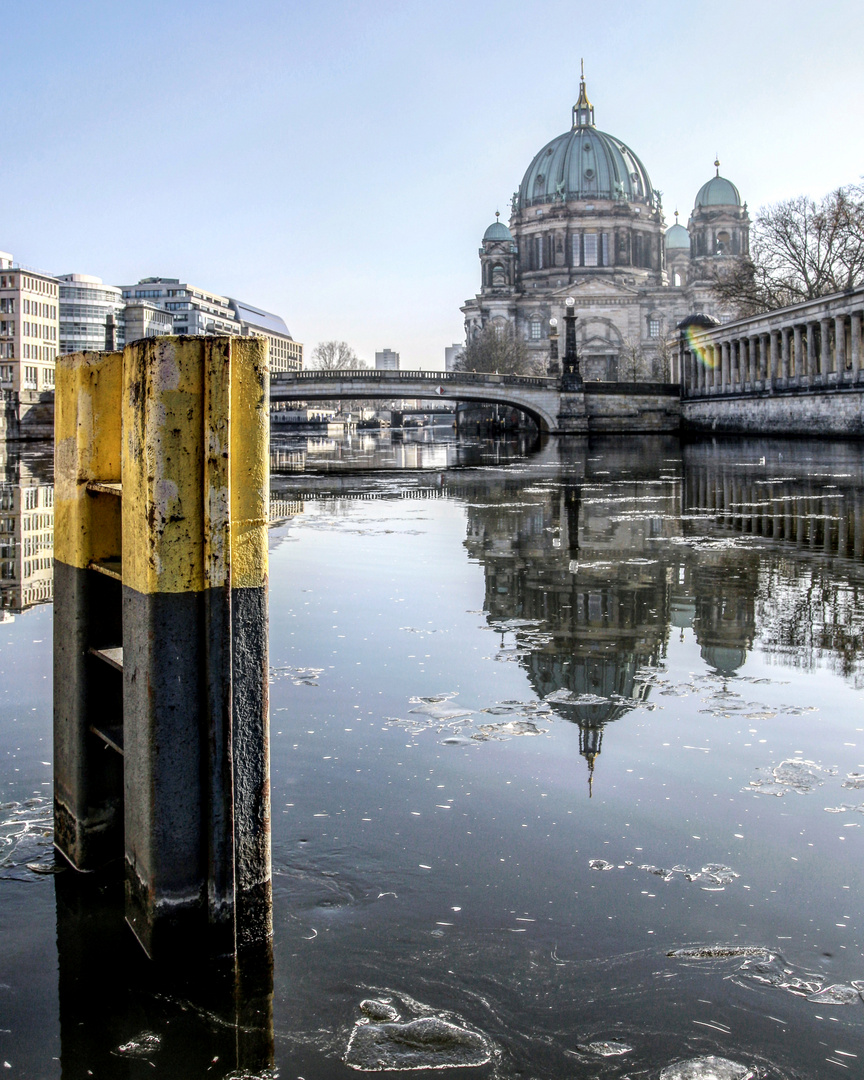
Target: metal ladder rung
(112, 657)
(107, 487)
(111, 736)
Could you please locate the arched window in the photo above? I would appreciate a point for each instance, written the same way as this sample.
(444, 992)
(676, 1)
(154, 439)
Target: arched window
(499, 276)
(535, 328)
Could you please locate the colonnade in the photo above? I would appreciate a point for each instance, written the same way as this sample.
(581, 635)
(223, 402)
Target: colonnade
(816, 344)
(808, 516)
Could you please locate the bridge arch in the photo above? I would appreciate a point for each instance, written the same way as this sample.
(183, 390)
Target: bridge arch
(537, 397)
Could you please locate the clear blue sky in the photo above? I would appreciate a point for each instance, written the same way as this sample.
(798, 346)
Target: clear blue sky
(337, 162)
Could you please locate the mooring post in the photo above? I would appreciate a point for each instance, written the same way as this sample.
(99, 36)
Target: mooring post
(190, 499)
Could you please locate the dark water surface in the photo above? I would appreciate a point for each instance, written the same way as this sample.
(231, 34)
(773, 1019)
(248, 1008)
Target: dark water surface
(567, 773)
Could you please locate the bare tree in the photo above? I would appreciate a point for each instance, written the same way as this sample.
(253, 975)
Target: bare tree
(497, 349)
(799, 250)
(336, 356)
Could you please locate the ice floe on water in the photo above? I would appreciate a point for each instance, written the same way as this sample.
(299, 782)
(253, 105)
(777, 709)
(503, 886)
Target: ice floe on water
(766, 968)
(713, 877)
(792, 774)
(709, 1067)
(605, 1048)
(462, 726)
(27, 839)
(299, 676)
(383, 1039)
(142, 1046)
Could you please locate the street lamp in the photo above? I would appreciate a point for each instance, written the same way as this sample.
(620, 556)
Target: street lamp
(553, 367)
(571, 359)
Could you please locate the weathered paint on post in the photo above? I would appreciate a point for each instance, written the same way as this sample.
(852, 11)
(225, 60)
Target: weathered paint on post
(88, 785)
(181, 426)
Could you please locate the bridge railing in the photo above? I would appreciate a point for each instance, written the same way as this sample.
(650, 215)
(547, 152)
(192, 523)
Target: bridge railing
(463, 378)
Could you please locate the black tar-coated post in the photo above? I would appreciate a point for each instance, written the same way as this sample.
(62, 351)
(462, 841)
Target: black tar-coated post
(160, 663)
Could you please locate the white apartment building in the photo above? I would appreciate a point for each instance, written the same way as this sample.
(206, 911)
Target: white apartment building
(386, 360)
(26, 544)
(29, 328)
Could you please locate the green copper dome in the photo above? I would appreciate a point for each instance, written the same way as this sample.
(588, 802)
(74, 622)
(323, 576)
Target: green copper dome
(585, 164)
(718, 192)
(498, 231)
(677, 237)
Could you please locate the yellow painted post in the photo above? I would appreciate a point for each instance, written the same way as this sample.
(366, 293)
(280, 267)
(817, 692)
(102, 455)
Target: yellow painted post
(162, 498)
(88, 782)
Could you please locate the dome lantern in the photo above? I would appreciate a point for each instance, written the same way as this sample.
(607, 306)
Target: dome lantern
(583, 110)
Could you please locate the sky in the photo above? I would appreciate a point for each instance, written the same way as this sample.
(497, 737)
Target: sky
(337, 162)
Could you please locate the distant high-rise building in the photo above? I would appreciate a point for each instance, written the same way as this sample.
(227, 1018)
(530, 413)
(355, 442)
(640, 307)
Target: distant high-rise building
(91, 314)
(144, 319)
(386, 360)
(29, 329)
(451, 355)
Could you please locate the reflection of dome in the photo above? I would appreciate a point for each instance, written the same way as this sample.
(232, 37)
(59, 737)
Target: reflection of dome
(586, 164)
(724, 658)
(498, 231)
(677, 237)
(718, 192)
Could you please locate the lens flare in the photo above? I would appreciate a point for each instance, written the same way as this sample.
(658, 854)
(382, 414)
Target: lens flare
(708, 358)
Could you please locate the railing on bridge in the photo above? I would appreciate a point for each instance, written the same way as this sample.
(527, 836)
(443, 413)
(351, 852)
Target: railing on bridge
(814, 346)
(432, 377)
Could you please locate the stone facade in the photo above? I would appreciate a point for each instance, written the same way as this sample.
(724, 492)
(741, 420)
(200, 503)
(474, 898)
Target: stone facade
(587, 222)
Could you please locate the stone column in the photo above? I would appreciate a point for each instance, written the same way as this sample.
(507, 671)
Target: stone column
(855, 334)
(784, 355)
(825, 348)
(724, 367)
(840, 346)
(797, 359)
(811, 350)
(770, 347)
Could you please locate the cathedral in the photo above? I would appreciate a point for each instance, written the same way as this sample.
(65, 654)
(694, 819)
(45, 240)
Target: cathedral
(586, 222)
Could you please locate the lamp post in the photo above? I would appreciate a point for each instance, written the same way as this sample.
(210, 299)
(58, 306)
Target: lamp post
(572, 376)
(554, 367)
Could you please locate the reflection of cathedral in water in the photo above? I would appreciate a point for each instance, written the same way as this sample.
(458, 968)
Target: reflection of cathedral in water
(574, 566)
(26, 532)
(592, 577)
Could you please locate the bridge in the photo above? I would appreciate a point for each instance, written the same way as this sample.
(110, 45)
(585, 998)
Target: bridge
(558, 405)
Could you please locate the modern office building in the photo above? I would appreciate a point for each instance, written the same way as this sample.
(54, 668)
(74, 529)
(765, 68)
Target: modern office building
(145, 319)
(26, 542)
(29, 328)
(386, 360)
(91, 314)
(193, 310)
(286, 354)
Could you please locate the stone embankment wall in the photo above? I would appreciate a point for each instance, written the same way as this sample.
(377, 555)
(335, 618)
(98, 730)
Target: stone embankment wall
(828, 413)
(632, 407)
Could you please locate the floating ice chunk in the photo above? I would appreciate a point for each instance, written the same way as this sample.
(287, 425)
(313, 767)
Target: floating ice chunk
(605, 1048)
(792, 774)
(567, 697)
(600, 864)
(836, 994)
(854, 781)
(379, 1010)
(142, 1046)
(440, 711)
(426, 1043)
(719, 952)
(708, 1068)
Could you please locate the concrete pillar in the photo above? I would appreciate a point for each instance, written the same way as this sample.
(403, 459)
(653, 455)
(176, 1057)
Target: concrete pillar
(855, 344)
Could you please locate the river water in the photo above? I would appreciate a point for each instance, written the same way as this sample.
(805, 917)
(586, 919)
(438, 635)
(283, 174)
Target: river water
(567, 771)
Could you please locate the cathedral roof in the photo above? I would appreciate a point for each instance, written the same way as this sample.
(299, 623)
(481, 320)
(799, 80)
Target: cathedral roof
(498, 231)
(585, 164)
(718, 191)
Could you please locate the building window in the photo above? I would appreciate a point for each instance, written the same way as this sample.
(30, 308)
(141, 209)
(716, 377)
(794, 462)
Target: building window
(590, 249)
(654, 328)
(577, 250)
(604, 249)
(538, 252)
(31, 378)
(536, 329)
